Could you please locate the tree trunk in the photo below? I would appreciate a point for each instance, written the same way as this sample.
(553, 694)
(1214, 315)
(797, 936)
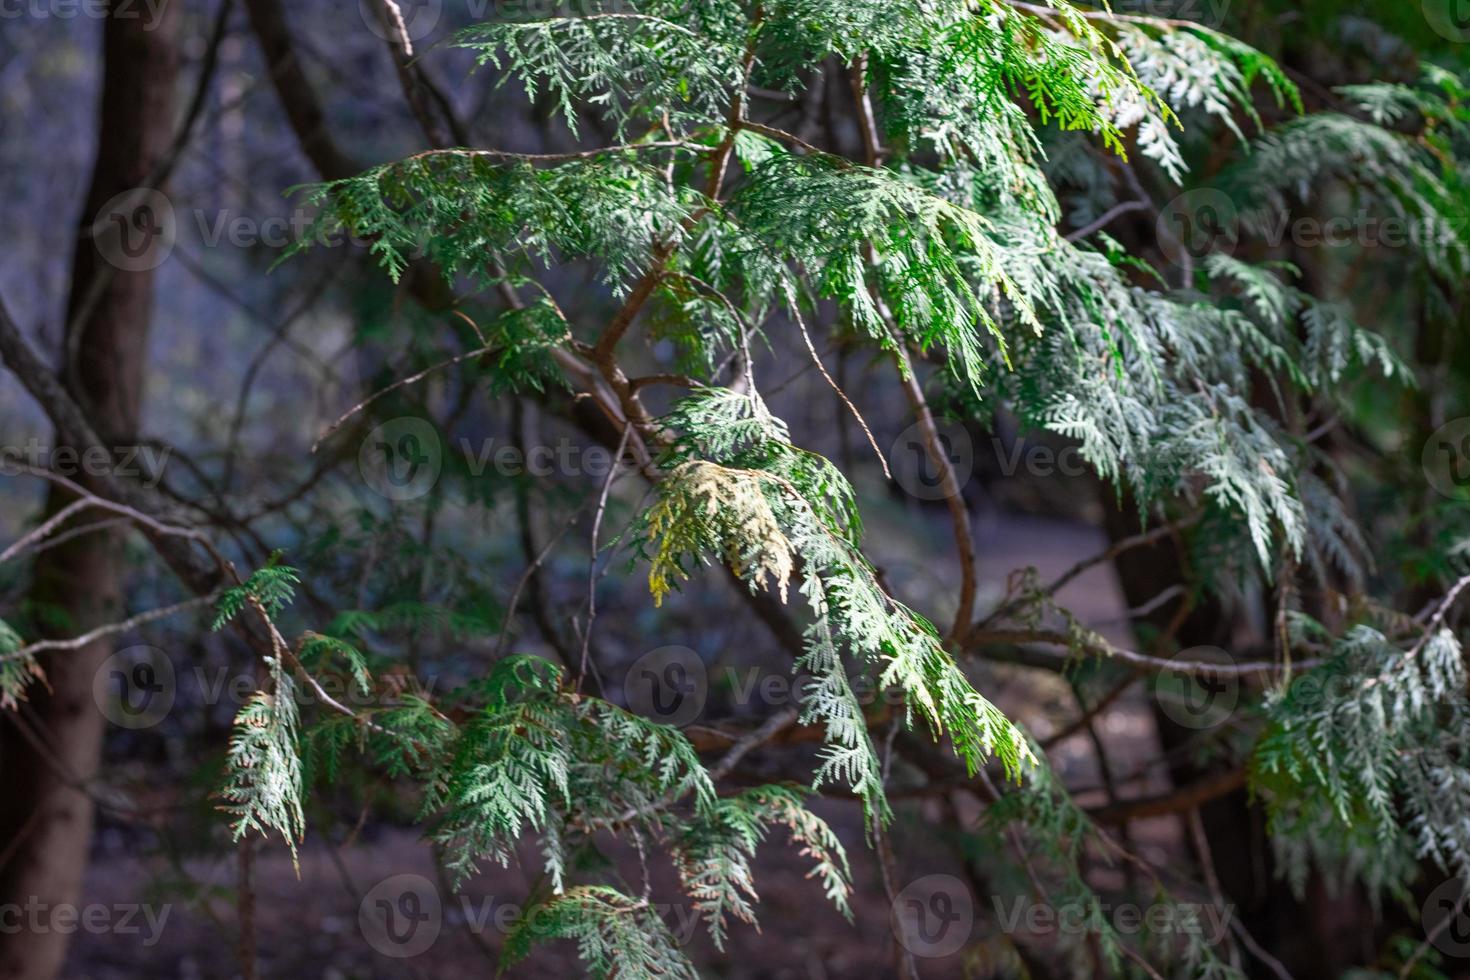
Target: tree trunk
(49, 750)
(1306, 937)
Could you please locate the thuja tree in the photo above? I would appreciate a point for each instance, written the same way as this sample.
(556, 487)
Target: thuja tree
(936, 244)
(1197, 386)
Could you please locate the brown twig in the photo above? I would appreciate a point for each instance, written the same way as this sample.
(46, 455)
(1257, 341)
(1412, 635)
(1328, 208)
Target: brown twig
(132, 622)
(592, 563)
(1192, 668)
(1184, 798)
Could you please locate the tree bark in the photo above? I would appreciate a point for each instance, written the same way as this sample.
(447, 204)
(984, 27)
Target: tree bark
(49, 750)
(1296, 932)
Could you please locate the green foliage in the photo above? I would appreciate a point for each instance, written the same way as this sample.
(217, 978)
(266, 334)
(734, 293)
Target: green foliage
(1398, 161)
(461, 210)
(1041, 814)
(263, 786)
(536, 757)
(632, 66)
(1369, 750)
(17, 670)
(941, 244)
(713, 854)
(757, 502)
(616, 936)
(319, 653)
(271, 588)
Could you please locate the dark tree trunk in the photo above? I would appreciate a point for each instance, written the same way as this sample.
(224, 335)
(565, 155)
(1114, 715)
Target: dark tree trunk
(49, 751)
(1307, 937)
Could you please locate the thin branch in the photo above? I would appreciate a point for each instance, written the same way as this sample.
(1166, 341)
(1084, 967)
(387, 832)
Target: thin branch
(832, 383)
(1255, 949)
(1184, 798)
(782, 136)
(1193, 668)
(1206, 857)
(45, 528)
(400, 383)
(592, 563)
(768, 730)
(82, 530)
(1107, 218)
(959, 514)
(1086, 718)
(1434, 934)
(562, 157)
(132, 622)
(1119, 547)
(515, 596)
(400, 28)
